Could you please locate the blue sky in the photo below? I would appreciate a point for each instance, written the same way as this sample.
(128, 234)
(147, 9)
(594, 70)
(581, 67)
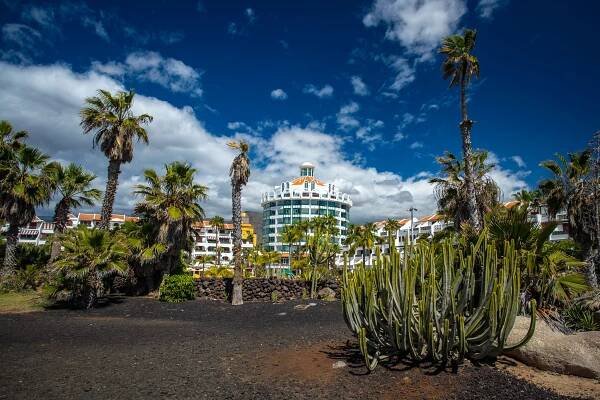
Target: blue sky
(353, 86)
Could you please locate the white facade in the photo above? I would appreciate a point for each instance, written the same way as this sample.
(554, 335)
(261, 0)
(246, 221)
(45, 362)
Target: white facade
(301, 199)
(206, 243)
(38, 230)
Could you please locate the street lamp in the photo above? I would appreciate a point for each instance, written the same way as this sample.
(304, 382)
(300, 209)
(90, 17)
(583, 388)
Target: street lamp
(412, 210)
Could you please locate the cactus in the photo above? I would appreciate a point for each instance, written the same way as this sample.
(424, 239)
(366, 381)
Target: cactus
(435, 302)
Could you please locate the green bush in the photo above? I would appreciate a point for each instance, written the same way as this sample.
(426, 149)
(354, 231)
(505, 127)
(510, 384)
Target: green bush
(579, 318)
(177, 289)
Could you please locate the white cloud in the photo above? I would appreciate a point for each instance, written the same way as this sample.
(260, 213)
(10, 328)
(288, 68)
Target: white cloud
(251, 15)
(519, 161)
(399, 136)
(405, 73)
(41, 15)
(325, 91)
(418, 25)
(486, 8)
(345, 117)
(279, 94)
(368, 134)
(153, 67)
(22, 35)
(97, 26)
(359, 87)
(45, 100)
(416, 145)
(232, 28)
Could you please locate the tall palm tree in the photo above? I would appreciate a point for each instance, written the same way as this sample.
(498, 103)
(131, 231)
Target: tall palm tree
(115, 126)
(567, 190)
(90, 256)
(73, 187)
(460, 65)
(451, 192)
(25, 183)
(239, 173)
(171, 203)
(218, 223)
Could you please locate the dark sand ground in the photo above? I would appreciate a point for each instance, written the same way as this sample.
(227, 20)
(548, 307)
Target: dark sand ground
(140, 348)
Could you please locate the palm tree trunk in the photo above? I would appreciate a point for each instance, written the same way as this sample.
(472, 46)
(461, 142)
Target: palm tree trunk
(10, 255)
(236, 211)
(218, 247)
(592, 259)
(61, 215)
(465, 128)
(114, 169)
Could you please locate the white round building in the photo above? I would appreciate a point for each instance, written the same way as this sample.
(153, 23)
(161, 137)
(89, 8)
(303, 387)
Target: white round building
(300, 199)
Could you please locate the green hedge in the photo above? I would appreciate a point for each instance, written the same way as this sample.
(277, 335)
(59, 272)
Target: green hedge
(177, 289)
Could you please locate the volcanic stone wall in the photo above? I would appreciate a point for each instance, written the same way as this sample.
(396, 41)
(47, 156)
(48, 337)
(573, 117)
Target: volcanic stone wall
(260, 289)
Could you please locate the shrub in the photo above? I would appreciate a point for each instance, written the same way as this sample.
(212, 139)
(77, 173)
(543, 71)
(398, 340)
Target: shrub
(177, 289)
(89, 259)
(580, 318)
(436, 302)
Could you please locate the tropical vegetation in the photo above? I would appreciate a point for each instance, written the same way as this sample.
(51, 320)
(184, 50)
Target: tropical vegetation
(115, 127)
(436, 302)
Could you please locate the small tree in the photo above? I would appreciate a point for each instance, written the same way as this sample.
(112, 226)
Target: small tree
(73, 187)
(89, 257)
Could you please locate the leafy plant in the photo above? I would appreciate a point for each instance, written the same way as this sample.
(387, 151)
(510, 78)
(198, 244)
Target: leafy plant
(177, 288)
(437, 302)
(90, 256)
(219, 272)
(580, 318)
(274, 297)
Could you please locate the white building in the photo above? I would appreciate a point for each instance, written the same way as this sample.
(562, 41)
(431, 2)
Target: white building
(207, 239)
(302, 198)
(38, 230)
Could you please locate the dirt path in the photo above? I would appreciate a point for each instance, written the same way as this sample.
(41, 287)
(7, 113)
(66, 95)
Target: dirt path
(142, 348)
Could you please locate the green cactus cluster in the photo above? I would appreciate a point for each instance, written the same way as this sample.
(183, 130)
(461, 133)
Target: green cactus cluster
(435, 302)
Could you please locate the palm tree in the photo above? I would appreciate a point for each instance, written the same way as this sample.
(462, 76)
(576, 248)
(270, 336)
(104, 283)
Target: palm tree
(292, 235)
(460, 66)
(115, 126)
(218, 223)
(204, 258)
(366, 240)
(551, 275)
(171, 204)
(391, 227)
(73, 186)
(269, 258)
(451, 192)
(352, 237)
(567, 190)
(89, 257)
(10, 141)
(144, 254)
(239, 173)
(25, 183)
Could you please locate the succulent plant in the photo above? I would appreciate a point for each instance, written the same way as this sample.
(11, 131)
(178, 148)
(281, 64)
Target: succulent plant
(436, 302)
